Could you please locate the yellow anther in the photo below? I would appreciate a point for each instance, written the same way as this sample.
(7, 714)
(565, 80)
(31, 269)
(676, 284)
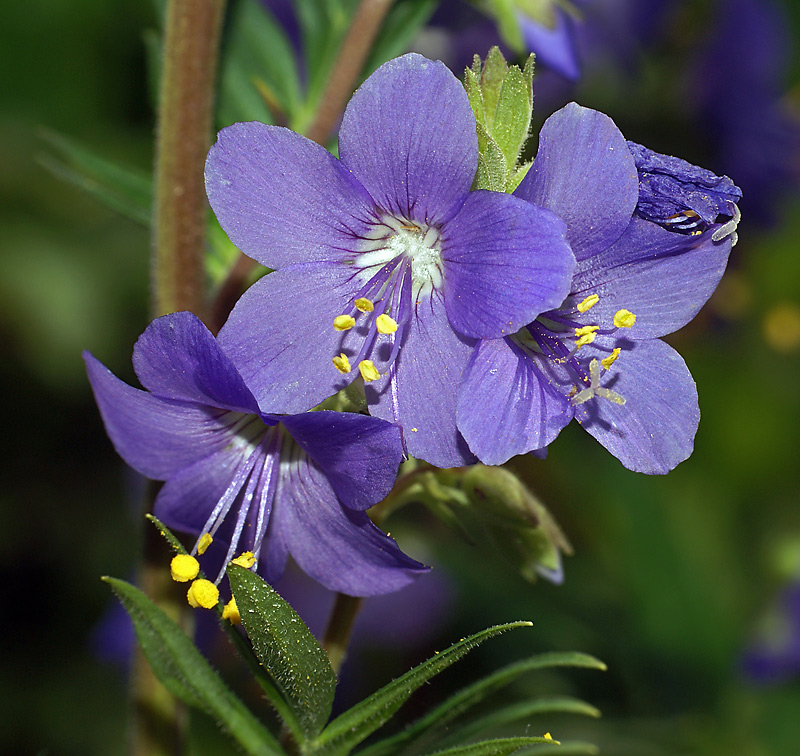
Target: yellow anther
(344, 322)
(588, 303)
(246, 559)
(587, 338)
(203, 593)
(548, 736)
(611, 359)
(184, 568)
(624, 319)
(364, 305)
(386, 324)
(204, 543)
(586, 330)
(230, 612)
(368, 371)
(342, 363)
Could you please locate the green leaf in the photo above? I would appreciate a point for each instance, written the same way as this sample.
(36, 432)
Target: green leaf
(492, 168)
(125, 190)
(401, 25)
(186, 674)
(498, 747)
(356, 724)
(474, 694)
(259, 79)
(286, 648)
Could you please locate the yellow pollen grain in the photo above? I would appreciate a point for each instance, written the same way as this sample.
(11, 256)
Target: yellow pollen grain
(342, 363)
(246, 559)
(548, 736)
(184, 568)
(385, 324)
(611, 359)
(204, 542)
(624, 319)
(230, 612)
(588, 303)
(364, 305)
(202, 593)
(344, 322)
(368, 371)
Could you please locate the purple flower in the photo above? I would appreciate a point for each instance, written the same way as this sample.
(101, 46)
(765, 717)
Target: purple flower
(556, 47)
(272, 485)
(389, 267)
(596, 357)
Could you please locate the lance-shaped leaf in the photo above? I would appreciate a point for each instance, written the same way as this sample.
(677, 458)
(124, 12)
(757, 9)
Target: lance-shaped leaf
(356, 724)
(186, 674)
(122, 189)
(286, 648)
(498, 747)
(474, 694)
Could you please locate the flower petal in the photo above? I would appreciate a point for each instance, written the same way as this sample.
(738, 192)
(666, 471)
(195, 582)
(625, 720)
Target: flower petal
(654, 430)
(421, 392)
(663, 277)
(178, 358)
(585, 173)
(505, 405)
(409, 137)
(359, 455)
(155, 436)
(505, 262)
(554, 48)
(339, 547)
(281, 338)
(282, 198)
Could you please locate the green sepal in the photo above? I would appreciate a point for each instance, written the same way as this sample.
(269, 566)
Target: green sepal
(286, 648)
(125, 190)
(187, 675)
(477, 692)
(356, 724)
(501, 97)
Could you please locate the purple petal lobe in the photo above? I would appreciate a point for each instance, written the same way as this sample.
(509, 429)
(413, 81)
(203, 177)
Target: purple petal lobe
(155, 436)
(281, 198)
(409, 137)
(178, 358)
(281, 338)
(505, 404)
(423, 392)
(505, 261)
(339, 547)
(554, 48)
(662, 277)
(654, 430)
(585, 173)
(359, 455)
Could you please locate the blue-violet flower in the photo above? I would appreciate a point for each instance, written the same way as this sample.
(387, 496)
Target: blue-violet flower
(388, 266)
(597, 356)
(271, 485)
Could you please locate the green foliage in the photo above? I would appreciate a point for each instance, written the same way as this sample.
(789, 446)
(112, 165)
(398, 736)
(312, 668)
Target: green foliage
(187, 675)
(125, 190)
(286, 649)
(502, 100)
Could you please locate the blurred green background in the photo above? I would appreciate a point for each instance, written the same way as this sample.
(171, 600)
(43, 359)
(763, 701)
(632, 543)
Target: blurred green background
(673, 578)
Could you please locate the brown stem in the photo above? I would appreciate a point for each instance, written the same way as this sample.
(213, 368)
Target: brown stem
(340, 626)
(348, 66)
(191, 43)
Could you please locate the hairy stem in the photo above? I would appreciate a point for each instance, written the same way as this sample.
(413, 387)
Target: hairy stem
(191, 43)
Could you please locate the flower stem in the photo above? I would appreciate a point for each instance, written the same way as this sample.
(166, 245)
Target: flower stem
(185, 111)
(340, 627)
